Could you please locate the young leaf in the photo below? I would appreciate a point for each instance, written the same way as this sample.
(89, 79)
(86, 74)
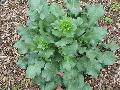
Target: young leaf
(34, 70)
(82, 49)
(73, 6)
(50, 86)
(70, 50)
(36, 4)
(107, 58)
(22, 63)
(49, 72)
(68, 65)
(113, 46)
(91, 67)
(63, 42)
(78, 21)
(73, 80)
(95, 12)
(56, 9)
(95, 35)
(20, 45)
(31, 72)
(87, 87)
(93, 53)
(46, 53)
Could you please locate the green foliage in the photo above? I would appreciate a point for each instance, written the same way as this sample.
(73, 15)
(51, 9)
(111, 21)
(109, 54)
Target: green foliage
(73, 6)
(94, 13)
(108, 20)
(115, 6)
(56, 10)
(55, 41)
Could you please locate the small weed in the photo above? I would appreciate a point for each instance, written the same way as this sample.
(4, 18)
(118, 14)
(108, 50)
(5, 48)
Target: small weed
(115, 6)
(108, 20)
(16, 87)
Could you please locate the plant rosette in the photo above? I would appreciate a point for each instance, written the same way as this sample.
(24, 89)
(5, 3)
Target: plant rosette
(64, 27)
(59, 48)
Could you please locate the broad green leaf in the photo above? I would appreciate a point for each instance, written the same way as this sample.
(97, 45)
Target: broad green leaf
(80, 31)
(22, 30)
(73, 80)
(34, 70)
(63, 42)
(56, 33)
(31, 71)
(49, 72)
(47, 75)
(33, 15)
(44, 11)
(95, 12)
(40, 6)
(73, 6)
(55, 30)
(22, 63)
(78, 21)
(32, 24)
(82, 49)
(81, 63)
(36, 4)
(56, 9)
(32, 58)
(113, 46)
(107, 58)
(46, 53)
(39, 81)
(91, 67)
(80, 81)
(68, 65)
(87, 87)
(93, 53)
(20, 45)
(49, 19)
(25, 35)
(50, 86)
(69, 76)
(95, 35)
(71, 49)
(77, 82)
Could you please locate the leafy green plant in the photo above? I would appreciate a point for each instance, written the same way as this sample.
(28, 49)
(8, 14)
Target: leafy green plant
(54, 42)
(115, 6)
(108, 20)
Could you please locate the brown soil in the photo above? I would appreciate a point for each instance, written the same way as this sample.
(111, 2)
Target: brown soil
(12, 14)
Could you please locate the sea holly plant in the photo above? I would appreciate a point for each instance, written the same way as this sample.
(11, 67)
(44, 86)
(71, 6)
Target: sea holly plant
(58, 47)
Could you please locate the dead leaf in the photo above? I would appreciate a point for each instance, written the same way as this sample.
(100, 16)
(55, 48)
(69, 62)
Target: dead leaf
(59, 88)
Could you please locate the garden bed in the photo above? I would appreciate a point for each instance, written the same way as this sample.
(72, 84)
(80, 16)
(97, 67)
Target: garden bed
(12, 14)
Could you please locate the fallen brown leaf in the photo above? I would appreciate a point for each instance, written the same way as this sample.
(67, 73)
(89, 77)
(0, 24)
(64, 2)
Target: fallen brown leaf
(59, 88)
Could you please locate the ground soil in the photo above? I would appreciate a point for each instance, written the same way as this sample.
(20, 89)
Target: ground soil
(12, 14)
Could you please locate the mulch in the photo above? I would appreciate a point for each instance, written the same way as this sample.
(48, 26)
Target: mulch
(12, 14)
